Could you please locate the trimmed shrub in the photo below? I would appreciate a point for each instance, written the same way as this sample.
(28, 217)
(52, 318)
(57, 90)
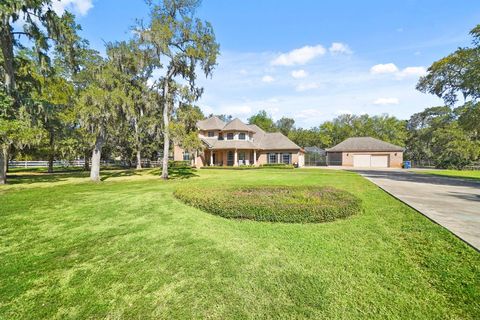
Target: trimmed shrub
(273, 203)
(230, 168)
(277, 166)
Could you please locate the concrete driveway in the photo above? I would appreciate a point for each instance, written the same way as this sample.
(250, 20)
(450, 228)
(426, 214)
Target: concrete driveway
(451, 202)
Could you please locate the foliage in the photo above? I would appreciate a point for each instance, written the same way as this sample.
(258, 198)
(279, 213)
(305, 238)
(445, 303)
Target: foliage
(455, 74)
(276, 166)
(285, 125)
(276, 204)
(263, 121)
(180, 44)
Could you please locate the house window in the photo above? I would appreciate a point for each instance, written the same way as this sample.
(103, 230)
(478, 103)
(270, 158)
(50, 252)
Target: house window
(230, 136)
(286, 158)
(272, 158)
(241, 136)
(211, 134)
(186, 156)
(220, 136)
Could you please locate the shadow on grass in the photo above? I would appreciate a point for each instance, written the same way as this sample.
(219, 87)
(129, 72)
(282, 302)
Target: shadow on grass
(177, 172)
(39, 177)
(116, 174)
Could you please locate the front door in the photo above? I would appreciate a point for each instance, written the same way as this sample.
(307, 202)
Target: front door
(214, 156)
(230, 158)
(241, 158)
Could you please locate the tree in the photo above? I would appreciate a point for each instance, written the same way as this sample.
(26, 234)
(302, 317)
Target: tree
(263, 120)
(285, 125)
(182, 42)
(41, 24)
(455, 74)
(453, 148)
(137, 65)
(102, 106)
(184, 128)
(421, 128)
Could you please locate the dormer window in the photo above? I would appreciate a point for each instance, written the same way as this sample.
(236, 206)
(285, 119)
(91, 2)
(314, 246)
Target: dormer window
(230, 136)
(211, 134)
(241, 136)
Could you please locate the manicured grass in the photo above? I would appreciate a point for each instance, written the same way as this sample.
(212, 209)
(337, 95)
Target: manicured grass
(465, 174)
(126, 248)
(273, 203)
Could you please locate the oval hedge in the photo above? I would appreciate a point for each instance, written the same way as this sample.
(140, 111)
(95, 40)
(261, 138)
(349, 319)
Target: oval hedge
(276, 204)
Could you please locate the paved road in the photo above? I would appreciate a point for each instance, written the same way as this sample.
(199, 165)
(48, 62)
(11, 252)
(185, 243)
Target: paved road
(452, 203)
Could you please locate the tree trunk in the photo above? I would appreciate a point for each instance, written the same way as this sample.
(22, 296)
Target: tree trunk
(3, 164)
(139, 159)
(6, 42)
(51, 154)
(137, 144)
(166, 133)
(96, 156)
(86, 166)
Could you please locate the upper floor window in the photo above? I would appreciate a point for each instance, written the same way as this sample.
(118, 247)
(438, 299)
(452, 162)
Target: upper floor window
(220, 136)
(230, 136)
(211, 134)
(241, 136)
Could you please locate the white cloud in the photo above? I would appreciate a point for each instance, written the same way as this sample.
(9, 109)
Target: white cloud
(412, 72)
(299, 56)
(80, 7)
(268, 79)
(386, 101)
(307, 86)
(339, 48)
(297, 74)
(384, 68)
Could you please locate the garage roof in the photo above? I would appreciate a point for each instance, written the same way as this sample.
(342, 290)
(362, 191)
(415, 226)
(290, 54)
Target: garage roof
(364, 144)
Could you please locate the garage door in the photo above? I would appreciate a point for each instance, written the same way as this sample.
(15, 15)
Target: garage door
(379, 161)
(361, 160)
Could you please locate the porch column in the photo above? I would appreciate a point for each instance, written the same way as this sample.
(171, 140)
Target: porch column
(254, 157)
(278, 158)
(235, 163)
(211, 158)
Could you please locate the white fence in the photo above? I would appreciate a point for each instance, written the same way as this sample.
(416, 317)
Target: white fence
(80, 163)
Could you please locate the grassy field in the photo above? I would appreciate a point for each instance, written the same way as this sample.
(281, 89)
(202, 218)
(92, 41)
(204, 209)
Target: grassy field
(126, 248)
(465, 174)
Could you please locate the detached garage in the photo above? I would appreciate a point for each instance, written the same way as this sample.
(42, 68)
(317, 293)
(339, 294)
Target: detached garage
(365, 152)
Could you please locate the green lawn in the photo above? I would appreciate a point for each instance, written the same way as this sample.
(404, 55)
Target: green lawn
(465, 174)
(126, 248)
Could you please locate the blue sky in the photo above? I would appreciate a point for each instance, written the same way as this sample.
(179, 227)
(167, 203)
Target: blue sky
(310, 60)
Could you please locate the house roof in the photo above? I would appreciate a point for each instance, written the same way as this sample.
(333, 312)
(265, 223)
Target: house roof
(261, 140)
(237, 125)
(364, 144)
(275, 141)
(212, 123)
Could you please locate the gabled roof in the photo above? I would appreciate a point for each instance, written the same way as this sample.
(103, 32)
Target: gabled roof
(212, 123)
(364, 144)
(237, 125)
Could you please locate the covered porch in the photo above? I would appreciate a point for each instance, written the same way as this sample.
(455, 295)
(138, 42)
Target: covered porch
(231, 157)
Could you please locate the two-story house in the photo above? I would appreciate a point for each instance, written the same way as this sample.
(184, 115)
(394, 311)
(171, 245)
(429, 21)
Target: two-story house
(236, 143)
